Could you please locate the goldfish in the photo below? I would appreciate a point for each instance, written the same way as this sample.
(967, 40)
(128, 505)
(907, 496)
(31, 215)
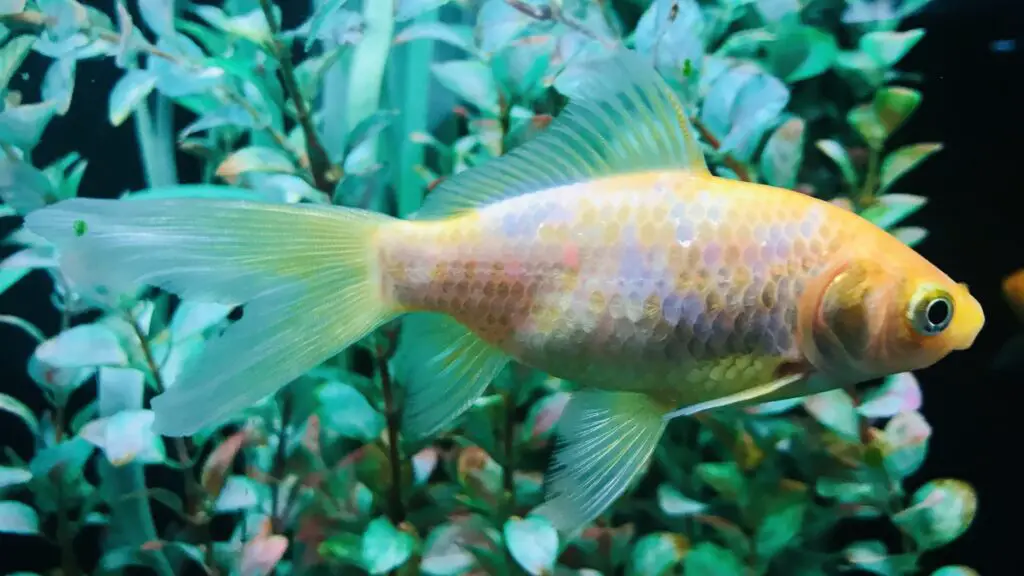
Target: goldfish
(1013, 292)
(602, 251)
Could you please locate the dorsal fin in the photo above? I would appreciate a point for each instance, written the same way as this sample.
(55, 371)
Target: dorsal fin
(623, 118)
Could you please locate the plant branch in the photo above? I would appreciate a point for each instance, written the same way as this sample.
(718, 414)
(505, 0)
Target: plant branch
(729, 160)
(318, 163)
(397, 508)
(193, 491)
(867, 192)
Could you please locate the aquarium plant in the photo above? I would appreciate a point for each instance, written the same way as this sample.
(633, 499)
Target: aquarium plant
(372, 104)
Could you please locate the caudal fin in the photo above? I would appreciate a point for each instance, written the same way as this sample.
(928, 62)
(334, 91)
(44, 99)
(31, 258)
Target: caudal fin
(307, 276)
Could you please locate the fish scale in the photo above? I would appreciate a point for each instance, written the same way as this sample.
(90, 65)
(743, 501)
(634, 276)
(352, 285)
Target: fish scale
(658, 280)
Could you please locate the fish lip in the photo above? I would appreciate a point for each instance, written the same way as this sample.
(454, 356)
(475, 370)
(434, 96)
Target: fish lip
(969, 335)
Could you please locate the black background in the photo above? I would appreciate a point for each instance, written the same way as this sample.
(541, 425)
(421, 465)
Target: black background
(973, 98)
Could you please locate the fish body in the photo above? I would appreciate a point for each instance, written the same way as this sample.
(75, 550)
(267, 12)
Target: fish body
(602, 250)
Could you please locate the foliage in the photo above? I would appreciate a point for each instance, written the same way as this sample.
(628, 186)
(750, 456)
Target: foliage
(352, 107)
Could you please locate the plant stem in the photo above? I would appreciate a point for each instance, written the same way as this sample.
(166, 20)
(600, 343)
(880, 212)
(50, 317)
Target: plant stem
(867, 192)
(728, 159)
(397, 508)
(509, 465)
(277, 469)
(318, 163)
(68, 561)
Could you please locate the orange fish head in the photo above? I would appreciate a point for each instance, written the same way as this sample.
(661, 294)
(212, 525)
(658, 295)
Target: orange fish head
(868, 319)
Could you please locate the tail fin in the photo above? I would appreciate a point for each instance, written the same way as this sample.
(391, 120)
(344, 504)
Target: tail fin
(307, 276)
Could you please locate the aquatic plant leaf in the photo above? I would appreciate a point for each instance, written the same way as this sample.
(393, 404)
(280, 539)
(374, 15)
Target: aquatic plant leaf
(410, 9)
(657, 554)
(327, 20)
(724, 477)
(23, 186)
(910, 235)
(940, 512)
(240, 493)
(456, 35)
(187, 74)
(126, 437)
(957, 570)
(85, 345)
(780, 527)
(674, 504)
(498, 24)
(802, 52)
(835, 151)
(898, 393)
(361, 157)
(891, 209)
(13, 476)
(23, 125)
(783, 154)
(59, 84)
(252, 25)
(707, 559)
(890, 108)
(888, 47)
(254, 159)
(445, 552)
(215, 470)
(195, 317)
(385, 548)
(673, 37)
(903, 160)
(835, 410)
(424, 463)
(905, 444)
(158, 15)
(471, 80)
(128, 93)
(533, 543)
(741, 105)
(541, 419)
(13, 406)
(872, 556)
(192, 191)
(18, 518)
(345, 411)
(12, 55)
(261, 554)
(229, 115)
(773, 11)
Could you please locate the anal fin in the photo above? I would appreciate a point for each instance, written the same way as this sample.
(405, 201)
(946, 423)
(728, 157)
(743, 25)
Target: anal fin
(444, 367)
(605, 442)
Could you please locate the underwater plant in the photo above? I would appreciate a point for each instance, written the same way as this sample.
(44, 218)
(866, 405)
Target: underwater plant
(351, 108)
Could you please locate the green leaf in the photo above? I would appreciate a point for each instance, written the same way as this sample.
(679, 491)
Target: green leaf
(903, 160)
(872, 556)
(802, 52)
(533, 543)
(59, 84)
(254, 159)
(657, 554)
(344, 410)
(361, 156)
(778, 530)
(23, 126)
(838, 154)
(707, 559)
(541, 419)
(674, 504)
(186, 75)
(724, 477)
(252, 25)
(891, 209)
(18, 518)
(452, 34)
(158, 15)
(471, 80)
(910, 235)
(129, 92)
(835, 410)
(877, 121)
(11, 476)
(23, 186)
(445, 553)
(240, 493)
(898, 393)
(367, 66)
(889, 47)
(940, 512)
(957, 570)
(126, 437)
(12, 55)
(327, 19)
(905, 444)
(13, 406)
(784, 153)
(384, 548)
(409, 9)
(83, 346)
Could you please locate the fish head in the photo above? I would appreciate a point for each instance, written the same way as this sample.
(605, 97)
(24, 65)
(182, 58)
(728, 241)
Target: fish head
(872, 317)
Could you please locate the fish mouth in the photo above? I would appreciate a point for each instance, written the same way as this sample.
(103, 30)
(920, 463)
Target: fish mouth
(971, 326)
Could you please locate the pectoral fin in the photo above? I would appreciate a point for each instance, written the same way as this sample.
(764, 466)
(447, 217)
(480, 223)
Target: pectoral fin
(791, 382)
(605, 442)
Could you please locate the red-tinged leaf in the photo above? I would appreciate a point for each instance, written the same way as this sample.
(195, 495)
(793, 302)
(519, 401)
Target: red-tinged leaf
(261, 554)
(217, 466)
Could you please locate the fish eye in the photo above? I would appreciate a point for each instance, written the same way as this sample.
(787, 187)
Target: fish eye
(932, 312)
